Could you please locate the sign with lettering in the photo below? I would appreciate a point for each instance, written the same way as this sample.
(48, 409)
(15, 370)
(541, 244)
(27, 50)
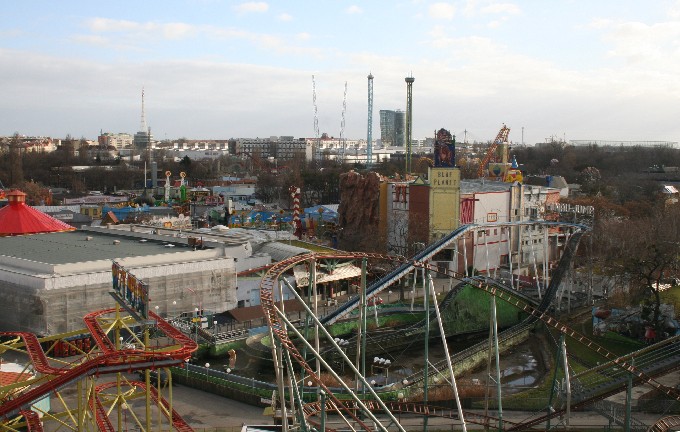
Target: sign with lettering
(492, 217)
(130, 290)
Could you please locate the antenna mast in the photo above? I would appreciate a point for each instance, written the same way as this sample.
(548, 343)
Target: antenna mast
(143, 127)
(342, 125)
(369, 137)
(316, 121)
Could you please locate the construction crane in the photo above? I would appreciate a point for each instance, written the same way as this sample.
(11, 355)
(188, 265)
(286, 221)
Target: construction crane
(316, 118)
(500, 139)
(342, 124)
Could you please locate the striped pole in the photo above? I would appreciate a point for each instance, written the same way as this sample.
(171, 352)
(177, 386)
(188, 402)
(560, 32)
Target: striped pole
(295, 193)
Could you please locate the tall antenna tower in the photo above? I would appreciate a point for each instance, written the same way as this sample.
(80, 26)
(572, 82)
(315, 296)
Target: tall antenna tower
(342, 125)
(409, 118)
(317, 151)
(143, 127)
(369, 137)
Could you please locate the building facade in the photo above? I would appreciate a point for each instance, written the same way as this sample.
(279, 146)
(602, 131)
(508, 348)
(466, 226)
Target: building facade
(392, 127)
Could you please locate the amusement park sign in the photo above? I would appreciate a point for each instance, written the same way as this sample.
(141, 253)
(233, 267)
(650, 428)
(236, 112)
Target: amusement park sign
(129, 291)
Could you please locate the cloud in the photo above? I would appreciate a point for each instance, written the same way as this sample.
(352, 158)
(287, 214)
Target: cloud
(444, 11)
(173, 30)
(500, 8)
(285, 17)
(303, 36)
(248, 7)
(640, 44)
(473, 8)
(354, 9)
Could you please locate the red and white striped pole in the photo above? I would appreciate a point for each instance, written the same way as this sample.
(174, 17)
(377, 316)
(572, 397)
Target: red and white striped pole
(295, 193)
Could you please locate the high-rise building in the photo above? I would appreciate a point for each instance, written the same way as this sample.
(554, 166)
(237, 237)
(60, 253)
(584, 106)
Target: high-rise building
(392, 127)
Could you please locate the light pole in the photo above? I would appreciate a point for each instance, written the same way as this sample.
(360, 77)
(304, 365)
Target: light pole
(196, 320)
(186, 362)
(215, 329)
(207, 371)
(342, 343)
(174, 308)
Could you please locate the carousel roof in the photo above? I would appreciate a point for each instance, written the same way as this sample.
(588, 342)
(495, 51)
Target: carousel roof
(17, 218)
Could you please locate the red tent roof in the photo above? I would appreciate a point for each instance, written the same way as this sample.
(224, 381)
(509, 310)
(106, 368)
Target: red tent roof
(17, 218)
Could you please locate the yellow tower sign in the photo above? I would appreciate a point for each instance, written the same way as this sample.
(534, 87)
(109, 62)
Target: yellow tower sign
(444, 201)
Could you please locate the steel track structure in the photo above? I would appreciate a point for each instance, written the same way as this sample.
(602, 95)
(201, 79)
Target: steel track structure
(280, 328)
(108, 355)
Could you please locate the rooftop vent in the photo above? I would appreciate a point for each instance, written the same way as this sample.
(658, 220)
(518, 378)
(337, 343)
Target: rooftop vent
(116, 242)
(88, 238)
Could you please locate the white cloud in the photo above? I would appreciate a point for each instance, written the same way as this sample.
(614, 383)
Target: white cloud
(252, 7)
(500, 8)
(173, 30)
(640, 44)
(285, 17)
(442, 11)
(354, 9)
(303, 36)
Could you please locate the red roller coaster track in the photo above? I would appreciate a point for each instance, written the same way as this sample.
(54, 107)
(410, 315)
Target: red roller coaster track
(108, 360)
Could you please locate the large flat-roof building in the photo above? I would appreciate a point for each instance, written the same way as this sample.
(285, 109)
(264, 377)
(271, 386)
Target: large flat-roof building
(49, 281)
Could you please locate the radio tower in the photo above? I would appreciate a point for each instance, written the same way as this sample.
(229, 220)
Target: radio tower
(317, 151)
(342, 125)
(369, 137)
(143, 127)
(409, 118)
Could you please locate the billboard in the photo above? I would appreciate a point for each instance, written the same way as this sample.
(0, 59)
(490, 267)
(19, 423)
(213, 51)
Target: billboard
(444, 149)
(131, 290)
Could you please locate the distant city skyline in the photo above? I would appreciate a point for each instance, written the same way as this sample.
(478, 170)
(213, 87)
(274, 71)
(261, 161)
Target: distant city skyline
(213, 69)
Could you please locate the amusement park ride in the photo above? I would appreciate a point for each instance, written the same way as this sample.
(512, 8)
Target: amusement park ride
(118, 342)
(91, 389)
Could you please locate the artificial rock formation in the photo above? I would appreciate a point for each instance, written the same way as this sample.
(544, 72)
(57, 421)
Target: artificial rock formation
(359, 212)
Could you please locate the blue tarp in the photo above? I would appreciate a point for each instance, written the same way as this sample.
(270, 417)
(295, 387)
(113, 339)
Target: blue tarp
(328, 214)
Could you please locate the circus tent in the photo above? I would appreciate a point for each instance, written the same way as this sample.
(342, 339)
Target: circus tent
(17, 218)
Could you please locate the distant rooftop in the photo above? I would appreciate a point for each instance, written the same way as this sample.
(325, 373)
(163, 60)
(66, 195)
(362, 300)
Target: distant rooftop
(478, 185)
(74, 247)
(612, 143)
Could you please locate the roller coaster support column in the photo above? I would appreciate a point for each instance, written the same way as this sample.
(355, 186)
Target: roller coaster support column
(147, 381)
(331, 371)
(567, 381)
(493, 348)
(558, 356)
(323, 410)
(361, 340)
(312, 281)
(426, 306)
(629, 393)
(277, 357)
(118, 341)
(454, 386)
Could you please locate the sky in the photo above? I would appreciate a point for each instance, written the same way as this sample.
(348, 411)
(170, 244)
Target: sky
(214, 69)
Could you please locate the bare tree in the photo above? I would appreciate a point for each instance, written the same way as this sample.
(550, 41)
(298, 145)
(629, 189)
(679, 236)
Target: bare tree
(646, 250)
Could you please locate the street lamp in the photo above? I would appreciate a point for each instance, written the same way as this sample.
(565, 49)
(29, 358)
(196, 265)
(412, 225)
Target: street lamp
(196, 321)
(207, 370)
(174, 308)
(215, 329)
(186, 362)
